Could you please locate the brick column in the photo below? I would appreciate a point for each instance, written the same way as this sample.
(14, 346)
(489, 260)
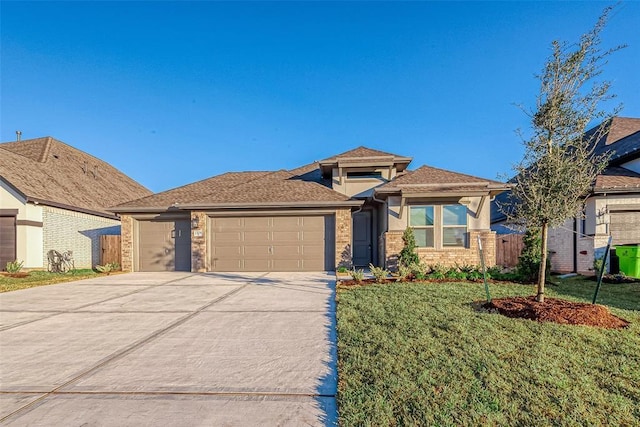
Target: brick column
(199, 243)
(126, 242)
(393, 244)
(343, 238)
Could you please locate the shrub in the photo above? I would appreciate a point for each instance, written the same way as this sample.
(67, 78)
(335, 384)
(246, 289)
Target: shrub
(408, 254)
(357, 275)
(529, 260)
(380, 274)
(475, 275)
(108, 268)
(342, 269)
(419, 270)
(404, 272)
(14, 267)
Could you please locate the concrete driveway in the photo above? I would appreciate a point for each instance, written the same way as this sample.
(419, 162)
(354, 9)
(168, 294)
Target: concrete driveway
(177, 349)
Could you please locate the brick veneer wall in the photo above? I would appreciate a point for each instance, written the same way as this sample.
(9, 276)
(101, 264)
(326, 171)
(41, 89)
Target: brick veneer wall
(343, 238)
(199, 261)
(447, 257)
(65, 230)
(126, 243)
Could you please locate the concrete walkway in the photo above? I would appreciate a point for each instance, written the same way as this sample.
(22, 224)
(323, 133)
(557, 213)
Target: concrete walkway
(182, 349)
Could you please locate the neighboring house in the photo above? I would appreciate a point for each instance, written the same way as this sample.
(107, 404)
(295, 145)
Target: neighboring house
(53, 196)
(612, 209)
(349, 209)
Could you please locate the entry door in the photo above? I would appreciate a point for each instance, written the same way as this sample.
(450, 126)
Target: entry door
(362, 245)
(7, 240)
(164, 245)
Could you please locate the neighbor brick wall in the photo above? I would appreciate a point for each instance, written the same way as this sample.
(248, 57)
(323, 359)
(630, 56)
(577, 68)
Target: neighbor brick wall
(199, 243)
(343, 238)
(560, 243)
(126, 245)
(447, 257)
(65, 230)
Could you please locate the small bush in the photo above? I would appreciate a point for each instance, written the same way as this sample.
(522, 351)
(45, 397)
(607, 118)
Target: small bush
(108, 268)
(357, 275)
(380, 274)
(408, 254)
(342, 269)
(14, 267)
(419, 270)
(404, 272)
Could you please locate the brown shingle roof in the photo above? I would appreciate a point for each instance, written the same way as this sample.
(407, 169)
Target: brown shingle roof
(435, 177)
(51, 172)
(194, 191)
(360, 152)
(617, 179)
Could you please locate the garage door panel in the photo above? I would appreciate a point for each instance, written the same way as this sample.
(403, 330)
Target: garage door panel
(255, 237)
(276, 243)
(286, 236)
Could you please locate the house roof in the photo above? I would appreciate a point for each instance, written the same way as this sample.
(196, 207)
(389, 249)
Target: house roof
(364, 157)
(616, 179)
(301, 186)
(48, 171)
(427, 179)
(622, 142)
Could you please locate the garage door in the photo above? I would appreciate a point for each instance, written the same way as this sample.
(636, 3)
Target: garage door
(625, 227)
(276, 243)
(7, 240)
(164, 245)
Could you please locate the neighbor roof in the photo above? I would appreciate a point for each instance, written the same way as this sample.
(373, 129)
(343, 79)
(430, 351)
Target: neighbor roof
(48, 171)
(617, 179)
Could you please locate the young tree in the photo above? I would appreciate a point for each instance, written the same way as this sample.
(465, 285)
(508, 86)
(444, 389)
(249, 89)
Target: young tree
(559, 166)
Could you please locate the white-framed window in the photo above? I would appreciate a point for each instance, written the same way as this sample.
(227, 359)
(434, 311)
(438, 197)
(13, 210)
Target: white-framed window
(439, 226)
(454, 225)
(421, 219)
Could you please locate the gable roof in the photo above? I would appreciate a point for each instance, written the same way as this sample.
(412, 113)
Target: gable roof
(48, 171)
(622, 142)
(364, 157)
(429, 179)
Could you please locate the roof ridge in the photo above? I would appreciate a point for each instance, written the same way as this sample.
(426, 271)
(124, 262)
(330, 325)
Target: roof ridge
(456, 173)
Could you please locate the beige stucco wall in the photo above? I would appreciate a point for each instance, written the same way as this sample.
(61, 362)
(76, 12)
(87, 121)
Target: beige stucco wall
(360, 186)
(28, 237)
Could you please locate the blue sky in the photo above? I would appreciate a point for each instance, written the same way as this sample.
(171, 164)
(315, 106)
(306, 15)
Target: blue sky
(174, 92)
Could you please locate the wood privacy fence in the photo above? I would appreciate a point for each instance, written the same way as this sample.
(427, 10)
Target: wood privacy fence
(109, 249)
(508, 249)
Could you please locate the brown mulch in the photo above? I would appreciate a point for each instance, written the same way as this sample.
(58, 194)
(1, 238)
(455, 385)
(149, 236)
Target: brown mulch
(558, 311)
(20, 275)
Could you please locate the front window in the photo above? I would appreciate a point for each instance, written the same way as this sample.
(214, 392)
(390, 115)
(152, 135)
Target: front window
(421, 219)
(441, 226)
(454, 225)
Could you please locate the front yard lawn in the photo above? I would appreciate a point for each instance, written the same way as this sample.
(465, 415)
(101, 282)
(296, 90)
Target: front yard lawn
(39, 278)
(419, 354)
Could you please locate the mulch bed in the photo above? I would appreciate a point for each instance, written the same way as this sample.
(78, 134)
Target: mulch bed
(352, 282)
(15, 275)
(558, 311)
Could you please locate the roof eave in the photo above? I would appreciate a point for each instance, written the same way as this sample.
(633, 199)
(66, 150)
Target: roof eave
(271, 205)
(71, 208)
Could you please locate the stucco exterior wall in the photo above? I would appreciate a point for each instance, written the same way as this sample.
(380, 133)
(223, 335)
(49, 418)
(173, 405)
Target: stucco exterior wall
(68, 230)
(361, 187)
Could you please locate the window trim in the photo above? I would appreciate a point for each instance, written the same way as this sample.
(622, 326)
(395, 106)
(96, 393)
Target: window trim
(438, 226)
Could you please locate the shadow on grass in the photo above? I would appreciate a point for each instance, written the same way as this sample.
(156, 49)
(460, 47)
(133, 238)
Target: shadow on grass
(625, 296)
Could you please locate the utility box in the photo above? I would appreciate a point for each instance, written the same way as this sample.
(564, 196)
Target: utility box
(629, 259)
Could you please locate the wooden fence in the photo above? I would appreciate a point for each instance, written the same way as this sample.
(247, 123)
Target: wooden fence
(110, 249)
(508, 249)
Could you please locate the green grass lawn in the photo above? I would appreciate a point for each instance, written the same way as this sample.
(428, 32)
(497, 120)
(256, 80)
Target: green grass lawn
(40, 278)
(418, 354)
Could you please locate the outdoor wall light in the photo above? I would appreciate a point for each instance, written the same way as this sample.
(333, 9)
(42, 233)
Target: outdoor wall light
(194, 222)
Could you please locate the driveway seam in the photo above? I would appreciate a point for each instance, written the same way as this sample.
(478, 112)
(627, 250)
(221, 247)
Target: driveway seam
(127, 350)
(71, 310)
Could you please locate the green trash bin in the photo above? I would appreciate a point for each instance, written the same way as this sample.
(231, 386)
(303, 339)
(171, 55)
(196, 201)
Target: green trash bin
(629, 256)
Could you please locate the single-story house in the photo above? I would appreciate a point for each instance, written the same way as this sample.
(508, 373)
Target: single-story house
(612, 209)
(54, 196)
(347, 210)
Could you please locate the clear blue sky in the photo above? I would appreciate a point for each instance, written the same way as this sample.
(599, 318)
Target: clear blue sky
(174, 92)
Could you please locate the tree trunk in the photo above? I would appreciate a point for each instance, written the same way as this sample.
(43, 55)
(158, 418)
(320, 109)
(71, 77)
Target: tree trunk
(542, 271)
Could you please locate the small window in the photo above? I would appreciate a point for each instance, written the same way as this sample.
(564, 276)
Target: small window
(364, 175)
(454, 225)
(421, 220)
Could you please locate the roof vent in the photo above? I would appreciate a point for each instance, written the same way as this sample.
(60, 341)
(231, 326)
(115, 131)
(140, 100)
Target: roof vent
(18, 135)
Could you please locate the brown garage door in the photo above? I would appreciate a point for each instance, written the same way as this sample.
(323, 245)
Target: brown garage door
(625, 227)
(275, 243)
(164, 245)
(7, 240)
